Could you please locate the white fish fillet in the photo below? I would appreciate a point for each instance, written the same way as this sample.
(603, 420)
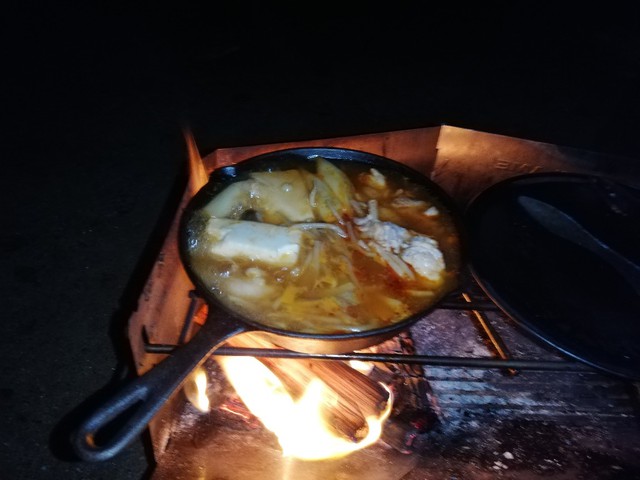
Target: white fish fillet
(262, 242)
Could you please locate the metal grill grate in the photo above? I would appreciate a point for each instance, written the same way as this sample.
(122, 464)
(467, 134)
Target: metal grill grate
(470, 300)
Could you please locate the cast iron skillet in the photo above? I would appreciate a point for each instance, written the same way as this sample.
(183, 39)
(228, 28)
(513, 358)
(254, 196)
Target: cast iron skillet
(570, 294)
(144, 396)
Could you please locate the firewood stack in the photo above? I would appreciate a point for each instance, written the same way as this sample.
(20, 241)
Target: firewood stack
(352, 395)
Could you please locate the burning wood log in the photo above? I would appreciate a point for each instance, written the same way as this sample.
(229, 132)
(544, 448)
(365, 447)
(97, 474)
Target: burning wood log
(353, 387)
(352, 395)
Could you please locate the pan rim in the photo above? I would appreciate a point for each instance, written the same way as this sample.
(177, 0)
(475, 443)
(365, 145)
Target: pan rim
(309, 153)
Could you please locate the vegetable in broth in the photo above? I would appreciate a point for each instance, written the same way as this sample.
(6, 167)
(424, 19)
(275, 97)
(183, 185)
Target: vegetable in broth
(337, 248)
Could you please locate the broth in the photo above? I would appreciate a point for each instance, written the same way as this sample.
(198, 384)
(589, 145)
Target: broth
(329, 247)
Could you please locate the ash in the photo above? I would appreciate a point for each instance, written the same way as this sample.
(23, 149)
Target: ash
(528, 426)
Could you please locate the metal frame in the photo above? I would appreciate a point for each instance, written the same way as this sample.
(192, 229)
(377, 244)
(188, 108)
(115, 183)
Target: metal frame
(475, 304)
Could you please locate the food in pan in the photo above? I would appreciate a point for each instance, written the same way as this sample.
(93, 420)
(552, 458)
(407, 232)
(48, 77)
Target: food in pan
(329, 247)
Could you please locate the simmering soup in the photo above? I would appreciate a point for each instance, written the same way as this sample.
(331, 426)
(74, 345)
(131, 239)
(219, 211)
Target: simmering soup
(329, 247)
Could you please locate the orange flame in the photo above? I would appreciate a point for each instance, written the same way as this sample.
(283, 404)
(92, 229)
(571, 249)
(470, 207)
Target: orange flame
(299, 425)
(197, 172)
(195, 389)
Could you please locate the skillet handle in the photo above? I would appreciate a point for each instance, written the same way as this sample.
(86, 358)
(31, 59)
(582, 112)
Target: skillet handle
(145, 395)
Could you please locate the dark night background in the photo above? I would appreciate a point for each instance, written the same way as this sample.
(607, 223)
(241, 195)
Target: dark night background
(96, 95)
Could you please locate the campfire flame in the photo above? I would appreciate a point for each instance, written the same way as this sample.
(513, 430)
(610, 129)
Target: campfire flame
(299, 425)
(360, 366)
(195, 389)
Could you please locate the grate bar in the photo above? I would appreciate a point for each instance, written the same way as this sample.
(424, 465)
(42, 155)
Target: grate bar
(492, 335)
(434, 361)
(454, 304)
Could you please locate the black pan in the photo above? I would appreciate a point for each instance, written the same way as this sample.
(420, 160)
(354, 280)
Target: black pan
(144, 396)
(560, 254)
